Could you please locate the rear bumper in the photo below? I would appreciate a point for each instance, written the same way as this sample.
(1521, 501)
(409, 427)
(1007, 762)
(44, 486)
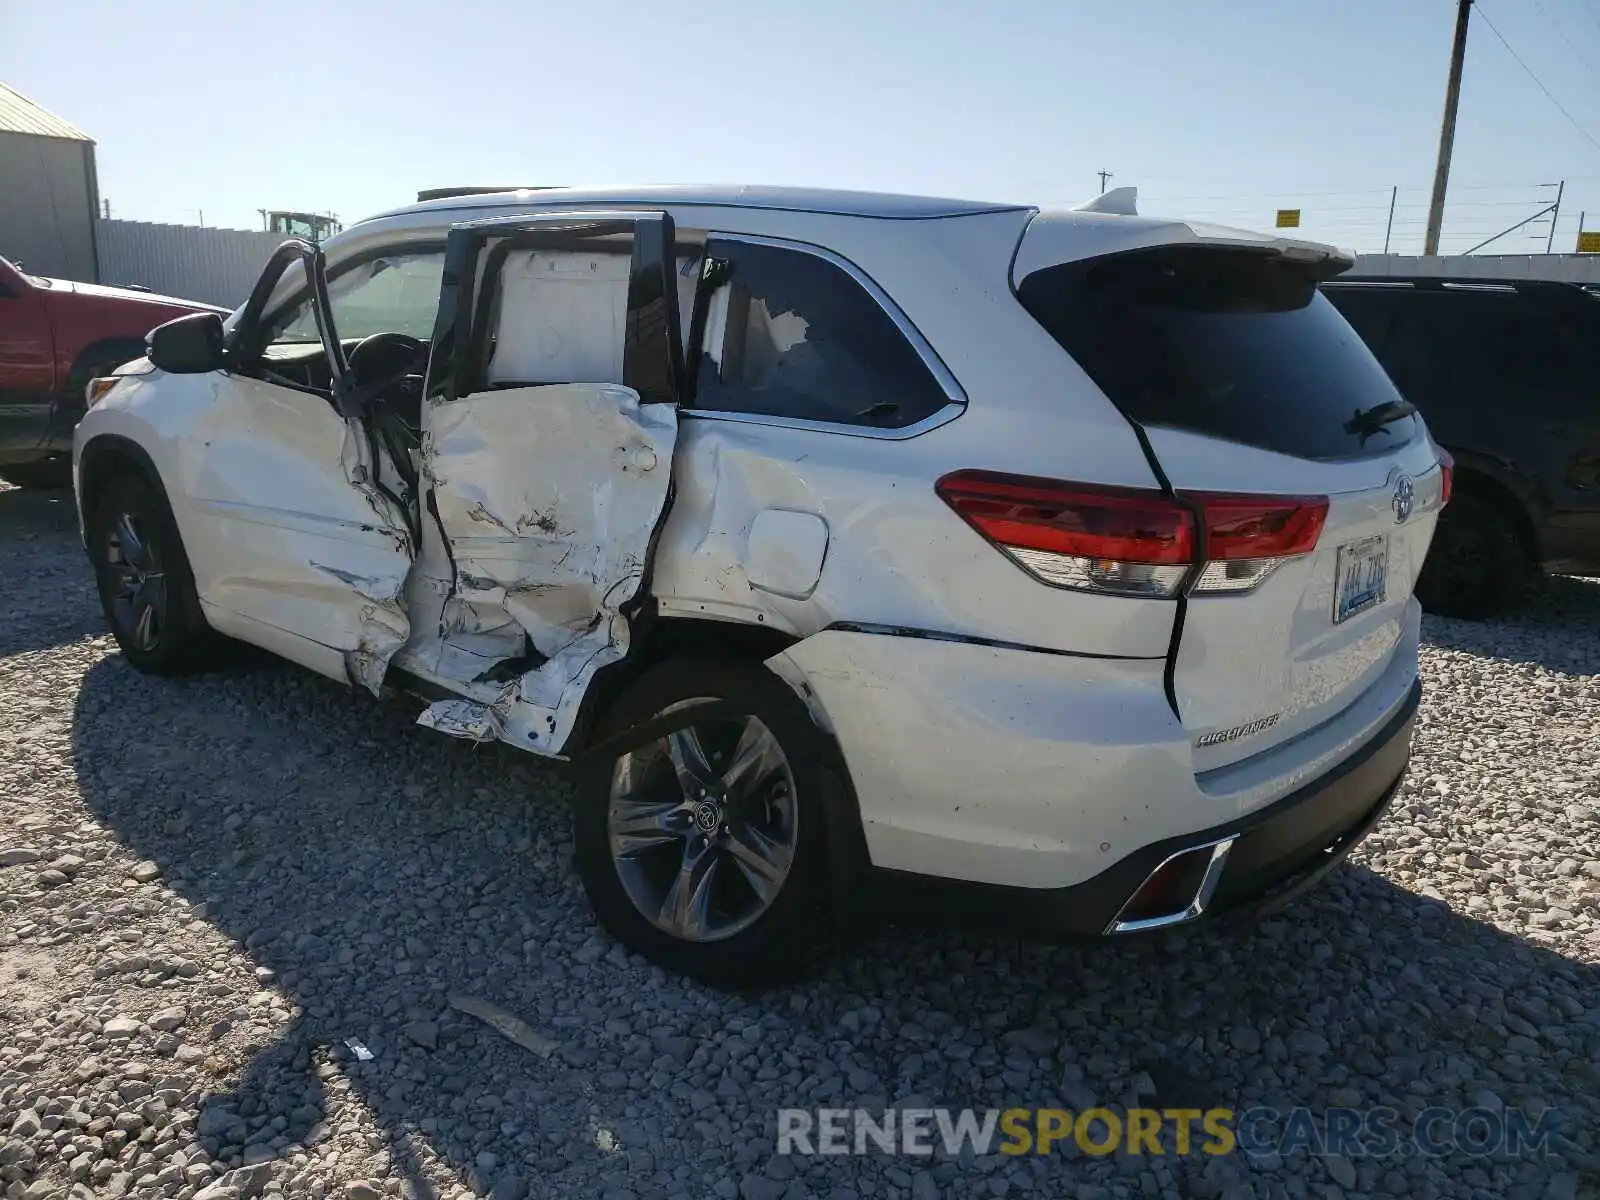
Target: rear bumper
(1273, 854)
(1020, 768)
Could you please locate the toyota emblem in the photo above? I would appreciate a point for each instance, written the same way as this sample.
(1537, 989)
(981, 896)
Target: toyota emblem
(707, 816)
(1403, 499)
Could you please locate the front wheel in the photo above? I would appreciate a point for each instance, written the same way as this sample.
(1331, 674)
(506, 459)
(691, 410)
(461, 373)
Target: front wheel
(704, 849)
(146, 589)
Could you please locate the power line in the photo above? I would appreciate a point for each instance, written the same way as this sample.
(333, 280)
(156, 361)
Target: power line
(1548, 93)
(1571, 45)
(1403, 206)
(1145, 194)
(1588, 13)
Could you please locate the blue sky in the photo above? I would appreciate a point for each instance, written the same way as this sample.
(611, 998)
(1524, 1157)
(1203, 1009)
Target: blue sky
(1225, 109)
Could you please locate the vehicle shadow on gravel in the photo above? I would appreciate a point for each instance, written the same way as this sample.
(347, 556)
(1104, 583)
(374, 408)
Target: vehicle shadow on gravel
(365, 871)
(1562, 604)
(33, 585)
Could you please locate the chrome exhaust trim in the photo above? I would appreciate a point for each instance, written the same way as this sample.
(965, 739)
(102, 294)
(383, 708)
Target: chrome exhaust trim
(1197, 903)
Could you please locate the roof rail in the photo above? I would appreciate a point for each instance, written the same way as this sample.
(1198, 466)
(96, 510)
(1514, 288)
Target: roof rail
(1460, 283)
(449, 193)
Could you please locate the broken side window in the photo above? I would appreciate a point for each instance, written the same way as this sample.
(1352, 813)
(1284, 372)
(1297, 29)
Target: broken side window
(788, 333)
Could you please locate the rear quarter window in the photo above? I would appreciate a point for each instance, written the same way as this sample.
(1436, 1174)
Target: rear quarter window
(1230, 344)
(784, 332)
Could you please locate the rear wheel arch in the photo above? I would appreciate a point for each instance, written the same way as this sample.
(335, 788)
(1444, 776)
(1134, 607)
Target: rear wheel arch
(1483, 554)
(664, 642)
(658, 640)
(1469, 480)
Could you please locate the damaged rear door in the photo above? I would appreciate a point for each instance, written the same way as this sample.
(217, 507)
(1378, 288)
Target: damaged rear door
(548, 435)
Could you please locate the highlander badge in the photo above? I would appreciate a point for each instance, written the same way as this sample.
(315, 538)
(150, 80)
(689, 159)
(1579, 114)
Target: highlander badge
(1217, 737)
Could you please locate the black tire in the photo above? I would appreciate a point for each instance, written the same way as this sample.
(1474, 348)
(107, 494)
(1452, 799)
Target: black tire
(1477, 566)
(178, 641)
(792, 936)
(47, 474)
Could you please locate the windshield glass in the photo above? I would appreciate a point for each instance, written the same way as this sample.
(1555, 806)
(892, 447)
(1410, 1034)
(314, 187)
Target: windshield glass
(396, 293)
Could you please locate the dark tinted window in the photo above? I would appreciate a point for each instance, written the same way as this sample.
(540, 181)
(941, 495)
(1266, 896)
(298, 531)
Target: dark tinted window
(1390, 321)
(1440, 341)
(1229, 344)
(1517, 340)
(1370, 311)
(789, 334)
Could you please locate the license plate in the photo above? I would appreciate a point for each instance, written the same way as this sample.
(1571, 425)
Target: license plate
(1360, 577)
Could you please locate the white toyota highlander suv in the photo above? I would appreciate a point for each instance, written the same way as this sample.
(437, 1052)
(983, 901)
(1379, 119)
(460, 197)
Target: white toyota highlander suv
(1059, 561)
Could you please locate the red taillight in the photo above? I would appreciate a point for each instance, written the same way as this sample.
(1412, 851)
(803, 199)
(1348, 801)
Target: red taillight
(1117, 541)
(1133, 542)
(1260, 526)
(1447, 476)
(1064, 518)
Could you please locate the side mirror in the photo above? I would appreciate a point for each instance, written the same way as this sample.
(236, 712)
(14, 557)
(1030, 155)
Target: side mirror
(190, 345)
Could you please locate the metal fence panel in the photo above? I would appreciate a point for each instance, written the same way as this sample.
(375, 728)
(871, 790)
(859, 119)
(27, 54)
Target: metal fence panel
(1568, 268)
(217, 266)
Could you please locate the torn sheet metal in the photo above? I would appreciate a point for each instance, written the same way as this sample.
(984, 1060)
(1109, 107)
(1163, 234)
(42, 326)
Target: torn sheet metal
(383, 627)
(467, 641)
(549, 497)
(463, 719)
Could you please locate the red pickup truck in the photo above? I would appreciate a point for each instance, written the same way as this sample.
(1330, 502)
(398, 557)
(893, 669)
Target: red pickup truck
(55, 336)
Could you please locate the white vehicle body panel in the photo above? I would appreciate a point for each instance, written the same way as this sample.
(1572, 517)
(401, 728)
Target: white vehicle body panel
(996, 729)
(1044, 769)
(1280, 655)
(889, 535)
(288, 534)
(1260, 669)
(548, 497)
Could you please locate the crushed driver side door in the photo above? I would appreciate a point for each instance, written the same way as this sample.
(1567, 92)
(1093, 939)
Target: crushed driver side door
(548, 434)
(297, 538)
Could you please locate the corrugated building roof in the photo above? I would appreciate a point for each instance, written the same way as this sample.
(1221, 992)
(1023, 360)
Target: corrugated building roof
(18, 114)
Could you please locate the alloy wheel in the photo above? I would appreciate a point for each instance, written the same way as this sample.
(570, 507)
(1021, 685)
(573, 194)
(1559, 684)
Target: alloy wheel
(703, 827)
(138, 583)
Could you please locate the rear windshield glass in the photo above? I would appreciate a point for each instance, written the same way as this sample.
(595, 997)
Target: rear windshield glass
(1229, 344)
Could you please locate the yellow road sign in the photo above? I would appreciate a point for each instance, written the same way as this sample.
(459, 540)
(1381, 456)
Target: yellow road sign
(1288, 218)
(1589, 243)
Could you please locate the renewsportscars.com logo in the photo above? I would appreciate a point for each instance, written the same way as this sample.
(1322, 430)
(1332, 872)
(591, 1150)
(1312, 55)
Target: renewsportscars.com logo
(1349, 1132)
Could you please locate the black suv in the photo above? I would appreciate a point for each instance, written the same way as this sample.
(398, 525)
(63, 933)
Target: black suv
(1507, 375)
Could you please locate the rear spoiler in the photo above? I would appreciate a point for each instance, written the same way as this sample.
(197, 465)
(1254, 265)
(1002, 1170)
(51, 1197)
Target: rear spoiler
(1107, 225)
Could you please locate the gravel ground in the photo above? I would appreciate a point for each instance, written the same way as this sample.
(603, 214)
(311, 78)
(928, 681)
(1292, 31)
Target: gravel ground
(214, 887)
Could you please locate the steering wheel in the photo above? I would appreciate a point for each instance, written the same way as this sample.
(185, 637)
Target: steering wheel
(382, 360)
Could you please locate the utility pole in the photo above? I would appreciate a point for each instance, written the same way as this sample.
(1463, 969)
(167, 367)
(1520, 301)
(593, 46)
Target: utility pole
(1447, 130)
(1394, 194)
(1104, 175)
(1555, 215)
